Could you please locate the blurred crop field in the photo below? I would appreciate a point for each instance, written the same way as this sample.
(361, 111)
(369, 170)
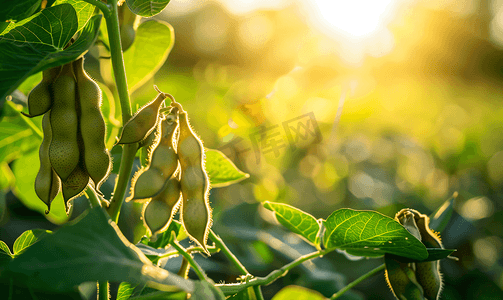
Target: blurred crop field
(376, 105)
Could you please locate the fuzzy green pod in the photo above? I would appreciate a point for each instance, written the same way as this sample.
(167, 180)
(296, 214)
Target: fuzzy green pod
(195, 184)
(159, 211)
(164, 157)
(92, 125)
(64, 150)
(163, 163)
(40, 97)
(147, 183)
(401, 278)
(427, 274)
(142, 123)
(47, 182)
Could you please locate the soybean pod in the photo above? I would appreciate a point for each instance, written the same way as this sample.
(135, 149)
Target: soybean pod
(92, 125)
(47, 182)
(64, 150)
(159, 211)
(142, 123)
(41, 96)
(195, 184)
(163, 163)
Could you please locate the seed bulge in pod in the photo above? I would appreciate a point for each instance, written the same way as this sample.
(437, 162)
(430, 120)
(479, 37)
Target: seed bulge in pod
(164, 156)
(92, 126)
(64, 151)
(40, 97)
(47, 182)
(75, 184)
(142, 123)
(147, 184)
(160, 210)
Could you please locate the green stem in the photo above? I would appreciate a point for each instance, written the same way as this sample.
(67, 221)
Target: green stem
(360, 279)
(190, 250)
(103, 290)
(233, 288)
(102, 6)
(128, 151)
(220, 244)
(199, 271)
(93, 198)
(27, 121)
(127, 158)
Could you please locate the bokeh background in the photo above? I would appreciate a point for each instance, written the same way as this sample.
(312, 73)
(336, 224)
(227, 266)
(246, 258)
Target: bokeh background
(376, 105)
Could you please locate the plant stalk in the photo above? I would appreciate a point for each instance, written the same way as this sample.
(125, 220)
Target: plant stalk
(103, 291)
(233, 288)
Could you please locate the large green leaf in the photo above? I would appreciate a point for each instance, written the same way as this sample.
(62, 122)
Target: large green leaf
(84, 10)
(18, 9)
(91, 248)
(369, 233)
(296, 221)
(39, 44)
(153, 42)
(297, 293)
(28, 238)
(221, 170)
(147, 8)
(433, 254)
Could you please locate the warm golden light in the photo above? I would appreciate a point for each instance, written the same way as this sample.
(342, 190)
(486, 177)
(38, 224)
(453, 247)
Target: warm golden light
(357, 18)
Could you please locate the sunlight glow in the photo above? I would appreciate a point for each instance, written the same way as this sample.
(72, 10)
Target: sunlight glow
(356, 18)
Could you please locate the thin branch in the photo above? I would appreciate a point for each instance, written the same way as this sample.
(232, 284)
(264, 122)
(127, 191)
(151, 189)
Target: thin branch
(233, 288)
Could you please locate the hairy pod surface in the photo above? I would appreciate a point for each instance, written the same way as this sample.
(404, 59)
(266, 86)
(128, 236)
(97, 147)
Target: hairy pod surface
(92, 125)
(40, 97)
(160, 210)
(195, 184)
(64, 150)
(148, 183)
(164, 157)
(402, 280)
(142, 123)
(148, 144)
(427, 273)
(47, 182)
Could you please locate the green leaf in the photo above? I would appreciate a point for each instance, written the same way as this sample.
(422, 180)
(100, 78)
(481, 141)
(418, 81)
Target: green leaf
(38, 44)
(28, 238)
(369, 233)
(84, 10)
(296, 221)
(165, 238)
(25, 169)
(221, 170)
(91, 248)
(433, 254)
(125, 291)
(147, 8)
(298, 293)
(153, 42)
(18, 9)
(5, 249)
(440, 218)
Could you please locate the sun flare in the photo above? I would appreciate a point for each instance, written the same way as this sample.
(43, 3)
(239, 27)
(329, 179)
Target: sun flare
(356, 18)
